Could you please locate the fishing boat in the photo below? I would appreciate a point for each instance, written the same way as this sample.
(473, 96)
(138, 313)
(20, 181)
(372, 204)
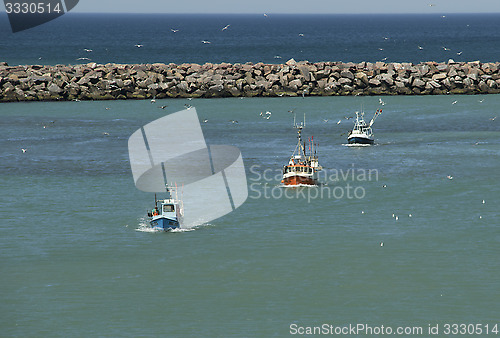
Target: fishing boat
(362, 132)
(167, 213)
(302, 167)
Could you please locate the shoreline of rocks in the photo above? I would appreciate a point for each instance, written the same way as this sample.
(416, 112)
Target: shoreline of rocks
(94, 81)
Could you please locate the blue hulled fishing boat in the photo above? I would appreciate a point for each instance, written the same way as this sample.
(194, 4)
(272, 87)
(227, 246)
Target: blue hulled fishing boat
(167, 213)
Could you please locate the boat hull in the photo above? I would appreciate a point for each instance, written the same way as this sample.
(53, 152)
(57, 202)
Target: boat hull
(360, 140)
(164, 223)
(298, 180)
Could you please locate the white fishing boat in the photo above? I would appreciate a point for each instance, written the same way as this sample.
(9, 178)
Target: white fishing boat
(362, 132)
(167, 213)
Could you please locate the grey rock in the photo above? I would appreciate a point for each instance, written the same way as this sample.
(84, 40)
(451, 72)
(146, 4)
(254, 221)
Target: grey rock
(296, 83)
(434, 84)
(374, 82)
(439, 76)
(344, 81)
(347, 74)
(418, 83)
(55, 89)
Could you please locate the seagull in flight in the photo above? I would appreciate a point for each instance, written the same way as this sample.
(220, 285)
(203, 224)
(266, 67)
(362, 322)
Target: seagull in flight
(265, 15)
(381, 102)
(162, 107)
(226, 27)
(87, 50)
(325, 121)
(266, 115)
(339, 121)
(138, 45)
(459, 53)
(205, 41)
(174, 30)
(24, 150)
(454, 102)
(83, 59)
(301, 34)
(493, 118)
(445, 48)
(420, 47)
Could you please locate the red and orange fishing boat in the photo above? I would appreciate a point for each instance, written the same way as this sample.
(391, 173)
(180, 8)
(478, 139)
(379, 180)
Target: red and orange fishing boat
(302, 167)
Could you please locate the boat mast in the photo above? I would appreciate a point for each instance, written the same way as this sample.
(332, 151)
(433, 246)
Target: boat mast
(299, 127)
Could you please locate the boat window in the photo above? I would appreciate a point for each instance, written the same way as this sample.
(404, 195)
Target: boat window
(168, 208)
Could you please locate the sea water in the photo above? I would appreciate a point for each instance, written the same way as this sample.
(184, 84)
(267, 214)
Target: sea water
(417, 245)
(81, 38)
(413, 245)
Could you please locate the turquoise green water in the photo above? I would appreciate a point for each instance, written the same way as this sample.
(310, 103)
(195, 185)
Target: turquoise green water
(74, 264)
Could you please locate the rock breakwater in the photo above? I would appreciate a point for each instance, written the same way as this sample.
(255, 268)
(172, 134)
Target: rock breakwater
(143, 81)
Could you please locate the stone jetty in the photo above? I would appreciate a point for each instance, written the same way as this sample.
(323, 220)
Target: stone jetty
(94, 81)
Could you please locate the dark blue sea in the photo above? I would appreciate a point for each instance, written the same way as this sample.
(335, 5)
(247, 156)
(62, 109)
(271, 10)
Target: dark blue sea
(254, 38)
